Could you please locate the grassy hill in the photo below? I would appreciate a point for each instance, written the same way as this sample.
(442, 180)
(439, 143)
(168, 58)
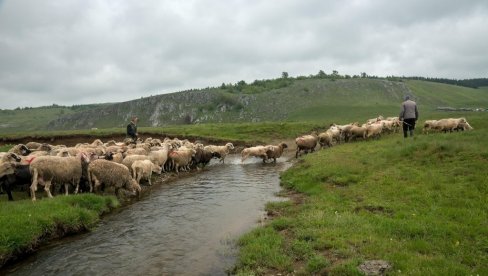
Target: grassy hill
(419, 204)
(319, 100)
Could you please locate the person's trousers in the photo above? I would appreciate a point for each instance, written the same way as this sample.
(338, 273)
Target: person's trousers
(408, 126)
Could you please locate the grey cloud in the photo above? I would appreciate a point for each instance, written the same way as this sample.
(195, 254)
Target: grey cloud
(77, 52)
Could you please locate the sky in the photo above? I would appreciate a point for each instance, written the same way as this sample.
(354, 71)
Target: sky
(87, 51)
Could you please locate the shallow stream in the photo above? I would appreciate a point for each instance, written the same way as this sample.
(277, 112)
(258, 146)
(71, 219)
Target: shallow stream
(185, 227)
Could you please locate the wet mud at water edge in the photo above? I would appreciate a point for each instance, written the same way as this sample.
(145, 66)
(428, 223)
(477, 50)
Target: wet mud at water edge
(186, 227)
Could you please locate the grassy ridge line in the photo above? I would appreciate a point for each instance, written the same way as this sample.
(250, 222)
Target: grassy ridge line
(25, 225)
(420, 204)
(246, 132)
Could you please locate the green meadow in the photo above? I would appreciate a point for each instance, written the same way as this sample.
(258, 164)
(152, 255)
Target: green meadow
(25, 224)
(420, 204)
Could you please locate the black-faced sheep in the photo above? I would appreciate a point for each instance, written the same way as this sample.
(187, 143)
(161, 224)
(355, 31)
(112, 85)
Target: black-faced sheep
(18, 177)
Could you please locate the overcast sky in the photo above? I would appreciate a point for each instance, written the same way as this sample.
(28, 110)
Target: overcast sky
(87, 51)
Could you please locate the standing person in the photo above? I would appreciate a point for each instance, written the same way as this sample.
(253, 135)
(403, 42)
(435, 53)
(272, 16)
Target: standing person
(132, 129)
(409, 115)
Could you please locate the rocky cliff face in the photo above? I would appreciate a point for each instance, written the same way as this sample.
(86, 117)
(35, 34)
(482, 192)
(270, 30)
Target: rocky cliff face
(216, 105)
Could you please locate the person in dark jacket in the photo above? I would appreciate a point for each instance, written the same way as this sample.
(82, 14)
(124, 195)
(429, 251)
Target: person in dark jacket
(409, 115)
(132, 129)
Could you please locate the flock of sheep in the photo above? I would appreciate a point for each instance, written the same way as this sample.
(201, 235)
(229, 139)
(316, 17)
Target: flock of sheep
(373, 128)
(99, 166)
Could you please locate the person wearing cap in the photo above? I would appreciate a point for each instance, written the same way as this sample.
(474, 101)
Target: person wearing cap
(132, 129)
(409, 115)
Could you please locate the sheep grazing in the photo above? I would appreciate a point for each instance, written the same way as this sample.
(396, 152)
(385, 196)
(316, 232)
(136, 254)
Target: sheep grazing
(143, 169)
(111, 174)
(257, 151)
(61, 170)
(274, 152)
(306, 143)
(221, 150)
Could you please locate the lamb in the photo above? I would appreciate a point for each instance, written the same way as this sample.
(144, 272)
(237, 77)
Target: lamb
(130, 159)
(62, 170)
(306, 143)
(257, 151)
(274, 152)
(144, 169)
(181, 158)
(159, 157)
(222, 150)
(111, 175)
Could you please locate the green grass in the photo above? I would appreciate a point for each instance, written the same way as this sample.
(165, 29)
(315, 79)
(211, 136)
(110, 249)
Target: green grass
(26, 224)
(420, 204)
(244, 132)
(301, 100)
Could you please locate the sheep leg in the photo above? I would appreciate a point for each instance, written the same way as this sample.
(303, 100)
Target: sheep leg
(77, 186)
(66, 186)
(33, 186)
(138, 178)
(47, 188)
(149, 180)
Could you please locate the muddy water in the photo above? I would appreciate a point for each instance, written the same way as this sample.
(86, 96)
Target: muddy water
(186, 227)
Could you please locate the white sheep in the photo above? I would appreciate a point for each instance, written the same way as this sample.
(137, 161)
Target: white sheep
(181, 158)
(61, 170)
(256, 151)
(111, 174)
(143, 169)
(306, 143)
(223, 151)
